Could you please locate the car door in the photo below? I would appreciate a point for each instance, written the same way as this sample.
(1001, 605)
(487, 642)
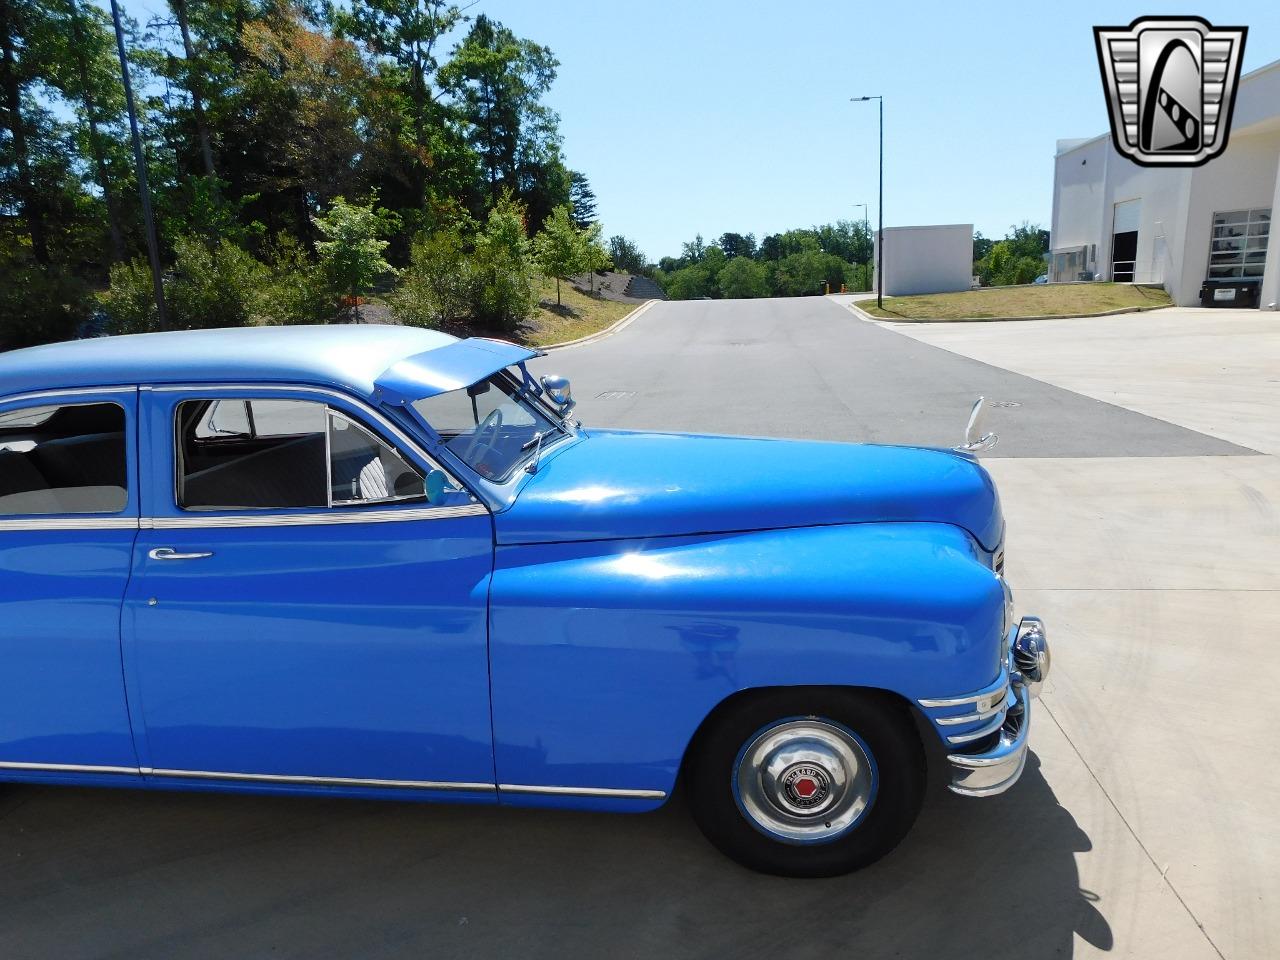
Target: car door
(299, 612)
(68, 520)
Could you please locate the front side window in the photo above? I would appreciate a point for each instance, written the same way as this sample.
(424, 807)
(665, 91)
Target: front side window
(260, 454)
(492, 426)
(63, 459)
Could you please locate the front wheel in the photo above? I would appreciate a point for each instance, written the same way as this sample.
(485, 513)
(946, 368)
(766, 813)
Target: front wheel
(810, 782)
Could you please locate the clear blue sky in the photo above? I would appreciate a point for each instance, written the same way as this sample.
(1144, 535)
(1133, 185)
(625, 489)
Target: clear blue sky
(702, 116)
(714, 115)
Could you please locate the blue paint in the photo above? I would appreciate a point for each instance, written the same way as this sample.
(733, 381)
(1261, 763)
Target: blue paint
(624, 484)
(575, 633)
(606, 656)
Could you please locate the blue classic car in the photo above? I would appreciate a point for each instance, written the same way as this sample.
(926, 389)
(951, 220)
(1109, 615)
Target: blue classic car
(383, 562)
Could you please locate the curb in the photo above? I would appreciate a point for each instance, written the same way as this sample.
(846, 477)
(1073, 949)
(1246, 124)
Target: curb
(1053, 316)
(608, 331)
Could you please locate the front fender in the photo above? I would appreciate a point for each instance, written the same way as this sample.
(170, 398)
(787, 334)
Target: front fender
(606, 656)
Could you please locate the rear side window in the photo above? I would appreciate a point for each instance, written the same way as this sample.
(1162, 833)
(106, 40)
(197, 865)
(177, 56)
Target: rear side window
(63, 459)
(262, 454)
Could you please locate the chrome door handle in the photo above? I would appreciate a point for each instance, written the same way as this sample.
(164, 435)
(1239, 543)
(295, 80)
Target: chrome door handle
(168, 553)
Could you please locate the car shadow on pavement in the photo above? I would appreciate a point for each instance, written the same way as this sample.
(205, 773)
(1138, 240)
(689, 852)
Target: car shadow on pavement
(141, 874)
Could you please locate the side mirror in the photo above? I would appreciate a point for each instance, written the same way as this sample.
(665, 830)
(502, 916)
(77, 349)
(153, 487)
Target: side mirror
(438, 488)
(560, 393)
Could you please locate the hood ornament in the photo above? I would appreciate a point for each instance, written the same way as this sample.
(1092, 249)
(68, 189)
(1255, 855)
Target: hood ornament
(975, 439)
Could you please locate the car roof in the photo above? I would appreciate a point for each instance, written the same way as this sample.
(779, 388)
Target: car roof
(349, 356)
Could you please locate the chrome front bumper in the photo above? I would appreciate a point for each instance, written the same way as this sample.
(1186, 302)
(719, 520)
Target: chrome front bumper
(1004, 706)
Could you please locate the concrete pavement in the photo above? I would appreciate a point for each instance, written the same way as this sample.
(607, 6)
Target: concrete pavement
(1144, 825)
(803, 368)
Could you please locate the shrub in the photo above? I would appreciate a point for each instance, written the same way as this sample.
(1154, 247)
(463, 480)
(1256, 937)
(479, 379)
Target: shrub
(506, 290)
(208, 287)
(439, 284)
(40, 305)
(295, 291)
(129, 301)
(212, 287)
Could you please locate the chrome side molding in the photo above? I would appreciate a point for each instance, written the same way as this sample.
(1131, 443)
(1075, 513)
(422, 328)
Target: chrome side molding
(317, 781)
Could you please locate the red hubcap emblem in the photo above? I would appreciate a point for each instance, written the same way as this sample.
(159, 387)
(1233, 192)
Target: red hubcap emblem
(806, 786)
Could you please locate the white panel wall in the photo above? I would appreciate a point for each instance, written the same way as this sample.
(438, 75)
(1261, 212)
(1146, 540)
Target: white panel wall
(1244, 176)
(927, 259)
(1177, 205)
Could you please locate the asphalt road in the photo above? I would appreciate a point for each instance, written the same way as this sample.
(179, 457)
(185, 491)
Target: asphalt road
(121, 873)
(801, 368)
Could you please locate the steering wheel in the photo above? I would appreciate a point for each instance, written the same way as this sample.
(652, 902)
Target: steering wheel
(485, 436)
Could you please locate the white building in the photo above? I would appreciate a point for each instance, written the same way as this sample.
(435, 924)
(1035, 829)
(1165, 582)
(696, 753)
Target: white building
(928, 259)
(1180, 227)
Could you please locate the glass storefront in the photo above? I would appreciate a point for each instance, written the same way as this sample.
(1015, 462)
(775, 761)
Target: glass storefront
(1238, 248)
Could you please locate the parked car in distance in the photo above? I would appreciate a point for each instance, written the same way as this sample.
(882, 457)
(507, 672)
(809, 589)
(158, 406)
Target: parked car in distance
(373, 561)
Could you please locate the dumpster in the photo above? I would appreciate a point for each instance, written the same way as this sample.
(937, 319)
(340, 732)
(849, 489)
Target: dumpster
(1230, 293)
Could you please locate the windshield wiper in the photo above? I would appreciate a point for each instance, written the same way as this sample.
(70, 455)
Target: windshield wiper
(536, 442)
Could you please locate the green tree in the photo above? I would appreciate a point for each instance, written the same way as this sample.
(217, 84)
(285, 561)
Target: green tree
(407, 35)
(351, 252)
(497, 81)
(627, 256)
(688, 283)
(737, 245)
(582, 200)
(693, 252)
(560, 249)
(21, 21)
(506, 289)
(595, 256)
(804, 274)
(742, 278)
(81, 57)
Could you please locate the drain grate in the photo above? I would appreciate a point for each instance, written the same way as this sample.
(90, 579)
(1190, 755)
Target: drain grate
(615, 395)
(1004, 403)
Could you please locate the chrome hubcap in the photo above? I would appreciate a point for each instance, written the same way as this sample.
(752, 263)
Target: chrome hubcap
(804, 780)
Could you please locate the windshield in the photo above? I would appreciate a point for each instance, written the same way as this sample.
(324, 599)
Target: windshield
(493, 425)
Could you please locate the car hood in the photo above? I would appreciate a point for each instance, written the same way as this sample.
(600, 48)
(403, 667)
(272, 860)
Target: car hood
(622, 484)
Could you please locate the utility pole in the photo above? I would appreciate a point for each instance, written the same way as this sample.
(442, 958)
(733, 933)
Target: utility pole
(880, 229)
(140, 161)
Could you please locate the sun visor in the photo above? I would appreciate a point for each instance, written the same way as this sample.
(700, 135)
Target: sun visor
(451, 367)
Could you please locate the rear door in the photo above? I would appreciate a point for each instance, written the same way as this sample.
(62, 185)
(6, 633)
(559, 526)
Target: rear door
(299, 612)
(68, 520)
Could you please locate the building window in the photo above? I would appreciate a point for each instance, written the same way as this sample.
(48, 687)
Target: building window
(1238, 247)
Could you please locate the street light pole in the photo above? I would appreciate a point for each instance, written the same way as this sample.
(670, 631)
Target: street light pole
(880, 229)
(140, 161)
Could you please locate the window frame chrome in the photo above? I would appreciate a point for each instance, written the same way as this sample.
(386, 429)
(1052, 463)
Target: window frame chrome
(122, 519)
(377, 424)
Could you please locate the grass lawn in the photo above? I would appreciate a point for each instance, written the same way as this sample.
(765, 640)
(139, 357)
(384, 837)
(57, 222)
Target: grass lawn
(580, 315)
(1043, 300)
